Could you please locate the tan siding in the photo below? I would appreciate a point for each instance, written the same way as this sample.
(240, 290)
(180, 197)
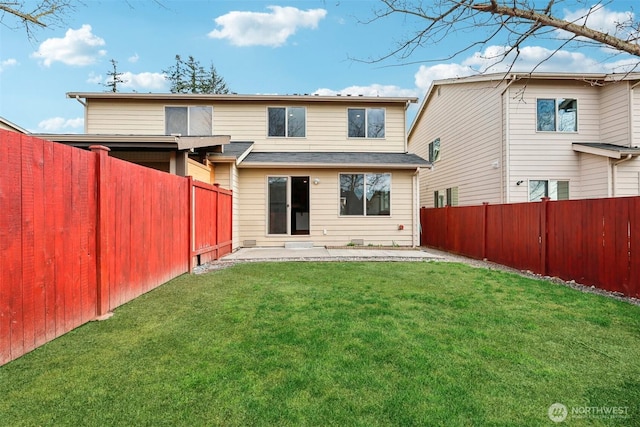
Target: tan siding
(135, 118)
(467, 119)
(635, 125)
(594, 177)
(199, 171)
(223, 174)
(614, 107)
(628, 178)
(548, 155)
(326, 124)
(324, 207)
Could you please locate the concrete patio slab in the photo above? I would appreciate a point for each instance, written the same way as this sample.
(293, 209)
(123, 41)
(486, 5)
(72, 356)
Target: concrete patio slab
(262, 253)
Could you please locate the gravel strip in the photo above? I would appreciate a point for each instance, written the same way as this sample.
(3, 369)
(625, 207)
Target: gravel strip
(439, 256)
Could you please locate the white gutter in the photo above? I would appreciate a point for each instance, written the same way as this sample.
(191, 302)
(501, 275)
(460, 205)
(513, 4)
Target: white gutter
(631, 110)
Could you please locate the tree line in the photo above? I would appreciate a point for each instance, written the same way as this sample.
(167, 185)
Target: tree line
(184, 76)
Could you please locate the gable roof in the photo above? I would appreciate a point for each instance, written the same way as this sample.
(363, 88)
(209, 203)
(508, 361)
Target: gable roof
(511, 77)
(6, 124)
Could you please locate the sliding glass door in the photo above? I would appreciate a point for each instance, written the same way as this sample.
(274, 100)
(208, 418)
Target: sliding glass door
(288, 200)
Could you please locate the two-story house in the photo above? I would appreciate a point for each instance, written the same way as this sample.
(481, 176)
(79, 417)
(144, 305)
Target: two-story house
(304, 169)
(7, 125)
(519, 137)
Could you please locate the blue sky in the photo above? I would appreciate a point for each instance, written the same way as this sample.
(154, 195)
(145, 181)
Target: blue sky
(267, 47)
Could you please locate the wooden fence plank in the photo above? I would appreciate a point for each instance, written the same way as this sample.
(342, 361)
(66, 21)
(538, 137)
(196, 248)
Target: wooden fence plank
(39, 251)
(28, 247)
(14, 208)
(11, 335)
(634, 247)
(49, 240)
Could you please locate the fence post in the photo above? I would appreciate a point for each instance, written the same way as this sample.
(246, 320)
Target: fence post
(544, 231)
(103, 253)
(191, 225)
(485, 208)
(218, 220)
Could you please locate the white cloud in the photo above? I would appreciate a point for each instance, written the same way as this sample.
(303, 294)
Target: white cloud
(601, 19)
(95, 78)
(11, 62)
(541, 59)
(265, 29)
(56, 124)
(144, 81)
(371, 90)
(78, 47)
(426, 75)
(530, 58)
(134, 58)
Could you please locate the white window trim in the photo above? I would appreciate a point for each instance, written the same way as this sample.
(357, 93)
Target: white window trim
(568, 181)
(364, 215)
(286, 122)
(366, 123)
(188, 117)
(556, 131)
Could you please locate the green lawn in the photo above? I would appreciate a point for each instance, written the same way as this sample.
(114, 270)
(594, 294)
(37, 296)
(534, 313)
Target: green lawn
(416, 343)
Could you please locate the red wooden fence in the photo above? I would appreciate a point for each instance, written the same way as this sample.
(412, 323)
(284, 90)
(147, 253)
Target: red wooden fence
(213, 207)
(82, 233)
(593, 241)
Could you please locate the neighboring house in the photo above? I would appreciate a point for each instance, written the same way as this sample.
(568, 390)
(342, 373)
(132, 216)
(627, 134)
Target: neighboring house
(176, 154)
(519, 137)
(304, 169)
(7, 125)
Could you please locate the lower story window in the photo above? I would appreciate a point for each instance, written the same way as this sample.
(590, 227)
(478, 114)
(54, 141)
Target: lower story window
(555, 190)
(438, 199)
(367, 194)
(452, 196)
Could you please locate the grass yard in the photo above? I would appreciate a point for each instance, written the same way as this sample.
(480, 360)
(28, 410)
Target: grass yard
(417, 343)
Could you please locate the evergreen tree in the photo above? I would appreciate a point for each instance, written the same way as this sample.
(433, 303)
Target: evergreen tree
(114, 77)
(191, 77)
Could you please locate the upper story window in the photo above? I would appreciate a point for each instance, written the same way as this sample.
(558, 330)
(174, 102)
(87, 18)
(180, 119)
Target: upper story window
(287, 122)
(557, 115)
(194, 120)
(434, 150)
(366, 122)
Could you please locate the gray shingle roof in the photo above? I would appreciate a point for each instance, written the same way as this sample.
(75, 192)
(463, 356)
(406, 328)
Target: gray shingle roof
(236, 149)
(610, 147)
(611, 151)
(329, 159)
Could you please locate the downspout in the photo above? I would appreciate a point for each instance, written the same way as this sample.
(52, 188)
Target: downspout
(415, 235)
(614, 173)
(631, 109)
(505, 193)
(406, 136)
(84, 104)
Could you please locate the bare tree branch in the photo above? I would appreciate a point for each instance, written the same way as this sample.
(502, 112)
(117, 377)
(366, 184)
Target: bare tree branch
(35, 15)
(507, 23)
